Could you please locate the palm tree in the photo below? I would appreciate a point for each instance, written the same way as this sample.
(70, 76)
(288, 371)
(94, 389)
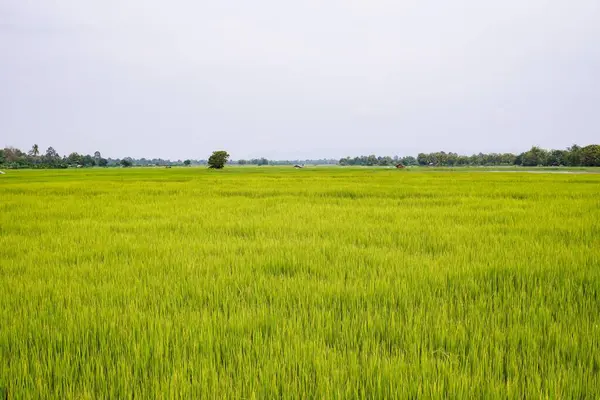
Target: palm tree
(35, 150)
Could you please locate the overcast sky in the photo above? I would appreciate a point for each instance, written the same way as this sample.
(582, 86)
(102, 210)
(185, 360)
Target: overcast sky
(302, 79)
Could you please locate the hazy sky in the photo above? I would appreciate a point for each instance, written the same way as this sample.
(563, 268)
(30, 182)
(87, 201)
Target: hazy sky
(283, 79)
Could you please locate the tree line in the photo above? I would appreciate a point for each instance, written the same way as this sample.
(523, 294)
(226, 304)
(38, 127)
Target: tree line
(11, 157)
(574, 156)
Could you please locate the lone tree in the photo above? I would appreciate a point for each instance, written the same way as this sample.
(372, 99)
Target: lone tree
(35, 150)
(218, 159)
(187, 163)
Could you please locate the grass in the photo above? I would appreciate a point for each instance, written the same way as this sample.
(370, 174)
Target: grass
(314, 283)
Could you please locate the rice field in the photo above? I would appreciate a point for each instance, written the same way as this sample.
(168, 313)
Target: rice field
(325, 283)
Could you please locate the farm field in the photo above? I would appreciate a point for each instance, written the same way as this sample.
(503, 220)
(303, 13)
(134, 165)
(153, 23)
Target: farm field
(314, 283)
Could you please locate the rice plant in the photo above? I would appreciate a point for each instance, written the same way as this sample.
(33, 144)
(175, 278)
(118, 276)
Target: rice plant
(313, 283)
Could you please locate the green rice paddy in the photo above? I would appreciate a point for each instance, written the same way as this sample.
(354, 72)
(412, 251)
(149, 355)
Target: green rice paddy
(316, 283)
